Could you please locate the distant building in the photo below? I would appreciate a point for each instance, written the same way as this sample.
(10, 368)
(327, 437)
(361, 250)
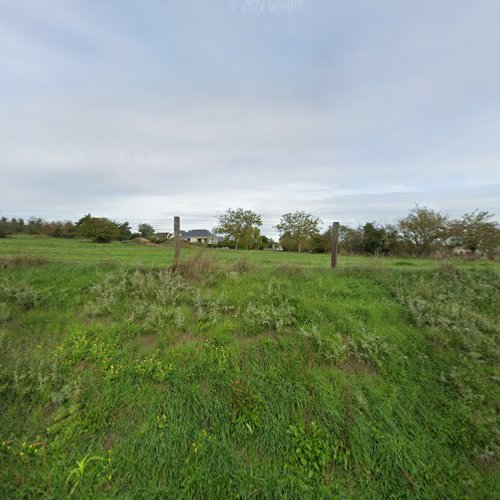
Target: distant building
(196, 236)
(200, 236)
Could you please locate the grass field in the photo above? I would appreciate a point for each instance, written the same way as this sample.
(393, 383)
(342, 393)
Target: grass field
(245, 374)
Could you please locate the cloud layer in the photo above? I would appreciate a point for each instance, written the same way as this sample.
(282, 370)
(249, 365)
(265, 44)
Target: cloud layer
(351, 110)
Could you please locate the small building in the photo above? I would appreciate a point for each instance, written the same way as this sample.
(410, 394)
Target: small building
(195, 236)
(200, 237)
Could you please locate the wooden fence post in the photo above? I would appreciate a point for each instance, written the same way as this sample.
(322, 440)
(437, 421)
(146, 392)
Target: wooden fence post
(335, 244)
(177, 240)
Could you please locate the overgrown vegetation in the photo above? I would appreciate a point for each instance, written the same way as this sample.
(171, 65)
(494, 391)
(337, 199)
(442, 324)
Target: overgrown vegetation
(244, 378)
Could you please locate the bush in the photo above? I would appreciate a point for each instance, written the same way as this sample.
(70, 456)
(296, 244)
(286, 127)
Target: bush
(99, 229)
(242, 265)
(198, 267)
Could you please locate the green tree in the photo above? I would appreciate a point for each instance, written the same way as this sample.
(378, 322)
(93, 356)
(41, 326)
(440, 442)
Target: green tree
(475, 231)
(239, 226)
(124, 229)
(99, 229)
(423, 228)
(83, 219)
(146, 230)
(300, 227)
(350, 239)
(379, 239)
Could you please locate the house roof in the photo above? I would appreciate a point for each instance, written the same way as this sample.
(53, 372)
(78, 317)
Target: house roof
(197, 233)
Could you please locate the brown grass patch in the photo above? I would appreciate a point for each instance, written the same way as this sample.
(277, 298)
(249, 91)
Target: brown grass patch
(81, 367)
(187, 338)
(147, 342)
(290, 269)
(243, 265)
(197, 268)
(356, 367)
(14, 261)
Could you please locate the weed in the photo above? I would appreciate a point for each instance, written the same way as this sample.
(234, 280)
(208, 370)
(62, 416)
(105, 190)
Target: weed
(311, 450)
(210, 311)
(368, 347)
(197, 268)
(22, 294)
(243, 265)
(328, 347)
(76, 474)
(247, 405)
(154, 368)
(271, 311)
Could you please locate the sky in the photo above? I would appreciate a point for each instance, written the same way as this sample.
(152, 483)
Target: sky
(353, 110)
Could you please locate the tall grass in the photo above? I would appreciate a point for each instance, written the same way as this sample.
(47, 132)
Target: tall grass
(222, 379)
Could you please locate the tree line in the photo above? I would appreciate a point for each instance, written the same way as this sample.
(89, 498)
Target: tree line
(422, 232)
(99, 229)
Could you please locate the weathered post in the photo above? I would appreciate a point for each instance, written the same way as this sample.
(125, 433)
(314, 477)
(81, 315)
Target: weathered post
(177, 240)
(335, 244)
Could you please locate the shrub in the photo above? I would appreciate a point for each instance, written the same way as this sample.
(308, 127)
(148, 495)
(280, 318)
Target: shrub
(99, 229)
(329, 348)
(22, 294)
(198, 267)
(242, 265)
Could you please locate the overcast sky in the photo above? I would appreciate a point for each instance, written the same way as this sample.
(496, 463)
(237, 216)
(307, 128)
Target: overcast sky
(353, 110)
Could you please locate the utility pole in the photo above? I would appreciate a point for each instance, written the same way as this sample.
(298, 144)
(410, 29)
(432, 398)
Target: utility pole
(177, 240)
(335, 244)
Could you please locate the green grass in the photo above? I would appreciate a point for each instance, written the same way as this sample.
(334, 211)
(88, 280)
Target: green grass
(273, 377)
(133, 254)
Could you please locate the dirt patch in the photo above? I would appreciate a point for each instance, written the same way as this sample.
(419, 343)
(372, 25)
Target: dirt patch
(49, 409)
(82, 367)
(356, 367)
(187, 338)
(147, 342)
(109, 441)
(143, 241)
(488, 463)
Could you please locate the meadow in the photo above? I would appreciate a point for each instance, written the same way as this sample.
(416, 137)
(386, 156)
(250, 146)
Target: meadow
(245, 374)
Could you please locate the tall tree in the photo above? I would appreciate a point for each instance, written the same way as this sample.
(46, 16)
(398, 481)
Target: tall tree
(475, 231)
(239, 226)
(300, 226)
(146, 230)
(424, 227)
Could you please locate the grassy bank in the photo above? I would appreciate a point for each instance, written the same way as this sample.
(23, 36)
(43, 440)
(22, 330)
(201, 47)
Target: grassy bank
(259, 377)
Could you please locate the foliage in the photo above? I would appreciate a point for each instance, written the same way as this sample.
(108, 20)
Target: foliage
(300, 227)
(423, 228)
(239, 225)
(146, 230)
(76, 474)
(99, 229)
(475, 232)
